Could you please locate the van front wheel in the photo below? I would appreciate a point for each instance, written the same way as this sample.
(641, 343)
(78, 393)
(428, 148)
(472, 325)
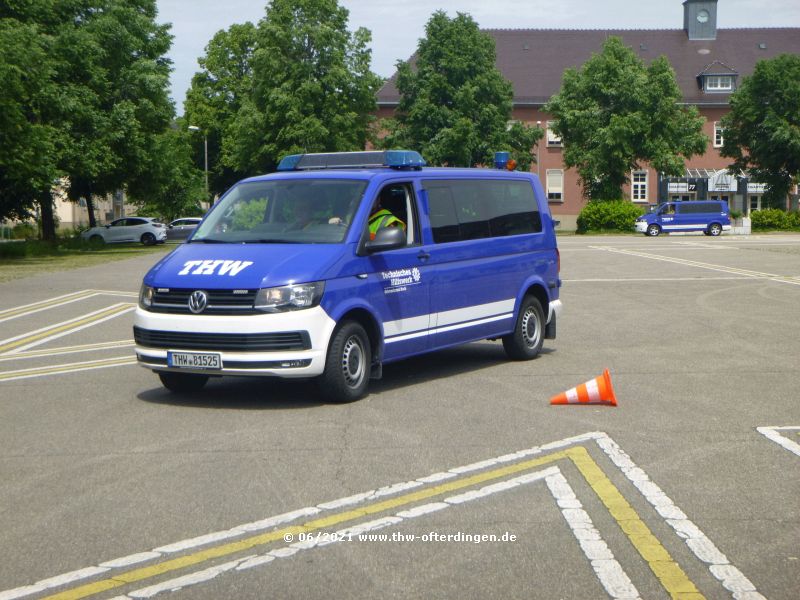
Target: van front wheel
(653, 230)
(527, 338)
(347, 365)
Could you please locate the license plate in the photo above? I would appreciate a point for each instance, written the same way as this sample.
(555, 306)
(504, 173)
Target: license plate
(194, 360)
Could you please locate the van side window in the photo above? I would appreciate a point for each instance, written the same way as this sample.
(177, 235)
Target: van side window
(398, 200)
(476, 209)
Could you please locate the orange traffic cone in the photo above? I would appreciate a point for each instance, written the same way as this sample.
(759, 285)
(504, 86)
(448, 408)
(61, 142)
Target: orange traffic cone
(595, 391)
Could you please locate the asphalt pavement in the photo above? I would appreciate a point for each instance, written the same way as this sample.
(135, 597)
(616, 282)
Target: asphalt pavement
(454, 478)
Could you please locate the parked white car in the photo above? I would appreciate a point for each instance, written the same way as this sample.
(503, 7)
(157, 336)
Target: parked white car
(146, 230)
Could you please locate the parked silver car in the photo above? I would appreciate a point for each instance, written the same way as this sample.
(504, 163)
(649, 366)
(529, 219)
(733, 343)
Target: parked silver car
(146, 230)
(180, 229)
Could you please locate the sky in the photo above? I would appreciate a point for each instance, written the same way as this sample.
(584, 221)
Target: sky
(397, 25)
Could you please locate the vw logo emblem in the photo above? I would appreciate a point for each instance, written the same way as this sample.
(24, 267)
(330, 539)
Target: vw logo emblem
(198, 302)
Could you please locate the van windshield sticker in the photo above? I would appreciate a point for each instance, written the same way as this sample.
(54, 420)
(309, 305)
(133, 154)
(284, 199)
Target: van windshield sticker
(214, 267)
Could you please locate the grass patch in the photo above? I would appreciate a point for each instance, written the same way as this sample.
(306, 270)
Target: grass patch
(28, 258)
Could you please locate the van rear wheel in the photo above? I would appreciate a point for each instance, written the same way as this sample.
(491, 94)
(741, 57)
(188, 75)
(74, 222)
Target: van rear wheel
(714, 229)
(347, 365)
(527, 338)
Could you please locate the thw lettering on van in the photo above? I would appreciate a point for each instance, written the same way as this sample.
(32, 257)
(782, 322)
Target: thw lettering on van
(214, 267)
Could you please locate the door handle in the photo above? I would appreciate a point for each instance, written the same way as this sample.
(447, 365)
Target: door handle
(423, 255)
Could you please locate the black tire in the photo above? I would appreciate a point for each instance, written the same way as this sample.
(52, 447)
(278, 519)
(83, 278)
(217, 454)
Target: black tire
(182, 382)
(347, 365)
(148, 239)
(97, 239)
(715, 230)
(653, 230)
(527, 338)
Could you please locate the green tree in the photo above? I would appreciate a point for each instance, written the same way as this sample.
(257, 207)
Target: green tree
(762, 130)
(614, 113)
(29, 98)
(455, 106)
(174, 186)
(312, 87)
(116, 74)
(216, 95)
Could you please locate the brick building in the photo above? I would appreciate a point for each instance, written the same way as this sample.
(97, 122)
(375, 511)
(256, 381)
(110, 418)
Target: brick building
(709, 63)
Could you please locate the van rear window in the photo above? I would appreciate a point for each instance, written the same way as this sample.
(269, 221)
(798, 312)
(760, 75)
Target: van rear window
(481, 208)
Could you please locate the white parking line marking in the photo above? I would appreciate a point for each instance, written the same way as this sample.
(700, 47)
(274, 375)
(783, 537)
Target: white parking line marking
(40, 336)
(67, 350)
(771, 433)
(719, 566)
(75, 367)
(693, 263)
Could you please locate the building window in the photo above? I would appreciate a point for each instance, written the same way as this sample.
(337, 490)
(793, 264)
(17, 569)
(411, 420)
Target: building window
(639, 186)
(555, 185)
(510, 124)
(719, 83)
(719, 135)
(552, 138)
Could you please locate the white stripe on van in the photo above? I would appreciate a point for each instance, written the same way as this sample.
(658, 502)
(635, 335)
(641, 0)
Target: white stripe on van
(460, 318)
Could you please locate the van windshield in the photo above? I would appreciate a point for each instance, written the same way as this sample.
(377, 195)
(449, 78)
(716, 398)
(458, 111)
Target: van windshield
(299, 211)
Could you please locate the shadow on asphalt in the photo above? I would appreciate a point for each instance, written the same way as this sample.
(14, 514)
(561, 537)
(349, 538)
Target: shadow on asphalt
(260, 393)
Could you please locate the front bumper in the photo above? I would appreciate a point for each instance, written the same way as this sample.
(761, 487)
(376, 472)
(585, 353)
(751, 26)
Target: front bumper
(641, 226)
(282, 363)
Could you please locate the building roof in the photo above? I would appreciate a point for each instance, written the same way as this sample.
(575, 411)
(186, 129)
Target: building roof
(535, 59)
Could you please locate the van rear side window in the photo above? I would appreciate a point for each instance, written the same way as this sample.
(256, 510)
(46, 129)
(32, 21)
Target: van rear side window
(474, 209)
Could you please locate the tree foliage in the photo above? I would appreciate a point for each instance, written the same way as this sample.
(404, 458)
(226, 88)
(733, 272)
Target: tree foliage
(614, 113)
(455, 105)
(312, 87)
(762, 130)
(174, 185)
(217, 93)
(84, 95)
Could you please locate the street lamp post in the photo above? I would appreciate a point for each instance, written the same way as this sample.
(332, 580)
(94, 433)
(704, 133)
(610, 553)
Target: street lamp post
(538, 174)
(205, 150)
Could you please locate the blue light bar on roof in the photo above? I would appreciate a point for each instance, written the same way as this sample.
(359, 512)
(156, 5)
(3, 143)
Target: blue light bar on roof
(395, 159)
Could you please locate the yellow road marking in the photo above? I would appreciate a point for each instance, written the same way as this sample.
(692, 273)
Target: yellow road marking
(671, 576)
(68, 368)
(66, 327)
(68, 350)
(21, 310)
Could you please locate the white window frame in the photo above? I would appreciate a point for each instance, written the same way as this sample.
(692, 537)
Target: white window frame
(719, 83)
(555, 186)
(552, 138)
(719, 135)
(640, 187)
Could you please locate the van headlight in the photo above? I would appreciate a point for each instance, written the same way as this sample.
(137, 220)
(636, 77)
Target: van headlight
(289, 297)
(146, 296)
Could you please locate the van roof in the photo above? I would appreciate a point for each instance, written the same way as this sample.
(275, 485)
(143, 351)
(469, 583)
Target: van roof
(384, 173)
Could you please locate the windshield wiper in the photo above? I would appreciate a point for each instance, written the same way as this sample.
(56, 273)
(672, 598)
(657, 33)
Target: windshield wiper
(272, 241)
(207, 241)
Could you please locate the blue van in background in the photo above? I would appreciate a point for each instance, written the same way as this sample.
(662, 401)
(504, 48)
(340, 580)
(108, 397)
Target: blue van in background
(286, 276)
(712, 217)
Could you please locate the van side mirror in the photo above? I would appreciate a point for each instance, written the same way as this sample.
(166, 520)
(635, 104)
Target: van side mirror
(388, 238)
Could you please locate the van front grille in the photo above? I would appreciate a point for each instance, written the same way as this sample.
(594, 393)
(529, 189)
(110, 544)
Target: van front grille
(232, 342)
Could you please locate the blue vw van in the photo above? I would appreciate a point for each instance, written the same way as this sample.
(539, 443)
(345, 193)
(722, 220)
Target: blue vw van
(712, 217)
(284, 276)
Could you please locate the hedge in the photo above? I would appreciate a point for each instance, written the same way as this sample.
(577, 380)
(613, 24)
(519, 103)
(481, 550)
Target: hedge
(774, 218)
(608, 215)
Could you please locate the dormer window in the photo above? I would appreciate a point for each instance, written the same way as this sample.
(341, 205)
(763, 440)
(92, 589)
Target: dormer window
(717, 78)
(719, 83)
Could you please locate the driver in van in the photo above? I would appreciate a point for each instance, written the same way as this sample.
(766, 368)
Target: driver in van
(382, 217)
